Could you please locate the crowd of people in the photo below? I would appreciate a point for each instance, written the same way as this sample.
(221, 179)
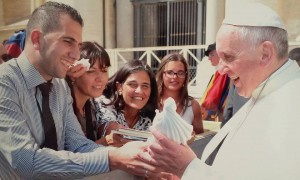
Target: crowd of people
(83, 104)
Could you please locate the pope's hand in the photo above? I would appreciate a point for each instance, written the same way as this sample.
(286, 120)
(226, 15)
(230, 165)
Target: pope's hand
(126, 158)
(168, 155)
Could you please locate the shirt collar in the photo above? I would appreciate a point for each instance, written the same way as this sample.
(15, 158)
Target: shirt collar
(279, 78)
(31, 75)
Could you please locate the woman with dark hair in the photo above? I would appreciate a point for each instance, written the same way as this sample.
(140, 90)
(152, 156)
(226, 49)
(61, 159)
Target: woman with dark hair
(129, 99)
(86, 84)
(172, 81)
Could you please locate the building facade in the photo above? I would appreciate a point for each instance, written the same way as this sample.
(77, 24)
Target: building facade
(124, 26)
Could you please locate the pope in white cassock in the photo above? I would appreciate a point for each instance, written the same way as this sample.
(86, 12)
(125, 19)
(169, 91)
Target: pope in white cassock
(261, 142)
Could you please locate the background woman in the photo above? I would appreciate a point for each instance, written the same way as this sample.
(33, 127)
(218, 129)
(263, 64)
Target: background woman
(87, 84)
(172, 81)
(130, 98)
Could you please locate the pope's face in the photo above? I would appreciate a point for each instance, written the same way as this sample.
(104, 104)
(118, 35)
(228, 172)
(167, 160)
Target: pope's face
(239, 61)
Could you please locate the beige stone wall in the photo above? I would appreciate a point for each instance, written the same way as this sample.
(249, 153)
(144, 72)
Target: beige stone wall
(118, 31)
(14, 15)
(125, 26)
(110, 24)
(287, 9)
(14, 11)
(1, 14)
(8, 16)
(92, 14)
(215, 14)
(291, 16)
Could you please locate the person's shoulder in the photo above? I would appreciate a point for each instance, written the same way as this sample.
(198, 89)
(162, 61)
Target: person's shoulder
(195, 104)
(6, 66)
(9, 70)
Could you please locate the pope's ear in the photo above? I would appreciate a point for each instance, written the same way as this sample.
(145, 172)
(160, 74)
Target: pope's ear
(267, 52)
(35, 37)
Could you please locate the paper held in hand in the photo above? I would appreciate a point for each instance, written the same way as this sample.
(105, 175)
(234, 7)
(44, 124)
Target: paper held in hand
(133, 134)
(84, 62)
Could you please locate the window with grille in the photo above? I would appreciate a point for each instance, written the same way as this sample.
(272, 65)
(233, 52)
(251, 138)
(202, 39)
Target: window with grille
(169, 23)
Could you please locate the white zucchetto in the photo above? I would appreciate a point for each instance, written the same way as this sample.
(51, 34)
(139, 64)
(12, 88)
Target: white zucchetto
(253, 14)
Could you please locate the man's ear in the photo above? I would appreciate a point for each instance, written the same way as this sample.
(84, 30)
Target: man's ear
(267, 52)
(35, 36)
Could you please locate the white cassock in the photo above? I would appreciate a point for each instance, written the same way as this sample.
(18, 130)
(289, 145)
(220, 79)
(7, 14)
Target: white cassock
(263, 141)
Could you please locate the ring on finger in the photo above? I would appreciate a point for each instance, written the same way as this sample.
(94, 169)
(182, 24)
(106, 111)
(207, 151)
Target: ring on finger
(146, 173)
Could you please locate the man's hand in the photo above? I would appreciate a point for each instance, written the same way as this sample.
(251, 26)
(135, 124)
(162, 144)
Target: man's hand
(126, 158)
(168, 155)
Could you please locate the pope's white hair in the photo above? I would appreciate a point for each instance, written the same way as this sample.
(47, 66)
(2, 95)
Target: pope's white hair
(257, 35)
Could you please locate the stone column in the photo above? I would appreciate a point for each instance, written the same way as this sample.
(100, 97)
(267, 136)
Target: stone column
(1, 13)
(92, 15)
(110, 24)
(36, 3)
(215, 13)
(125, 27)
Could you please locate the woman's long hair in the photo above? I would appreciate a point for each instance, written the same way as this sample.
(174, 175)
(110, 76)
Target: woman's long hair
(184, 96)
(94, 52)
(120, 76)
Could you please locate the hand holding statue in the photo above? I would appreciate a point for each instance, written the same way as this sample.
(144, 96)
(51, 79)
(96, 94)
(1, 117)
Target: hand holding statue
(127, 158)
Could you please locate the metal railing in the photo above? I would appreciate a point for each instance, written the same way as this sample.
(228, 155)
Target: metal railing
(192, 53)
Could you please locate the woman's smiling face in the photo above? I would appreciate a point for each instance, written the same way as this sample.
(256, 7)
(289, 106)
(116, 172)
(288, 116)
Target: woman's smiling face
(136, 90)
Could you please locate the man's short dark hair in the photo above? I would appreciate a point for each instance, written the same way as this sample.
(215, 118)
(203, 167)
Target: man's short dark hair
(47, 17)
(295, 54)
(210, 48)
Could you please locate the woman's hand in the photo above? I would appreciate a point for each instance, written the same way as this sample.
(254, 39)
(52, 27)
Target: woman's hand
(113, 126)
(112, 139)
(116, 140)
(75, 72)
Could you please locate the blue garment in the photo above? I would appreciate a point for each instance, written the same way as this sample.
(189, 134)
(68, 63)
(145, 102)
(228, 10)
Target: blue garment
(21, 130)
(16, 43)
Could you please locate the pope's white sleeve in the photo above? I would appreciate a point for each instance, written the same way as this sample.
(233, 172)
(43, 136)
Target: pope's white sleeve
(197, 169)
